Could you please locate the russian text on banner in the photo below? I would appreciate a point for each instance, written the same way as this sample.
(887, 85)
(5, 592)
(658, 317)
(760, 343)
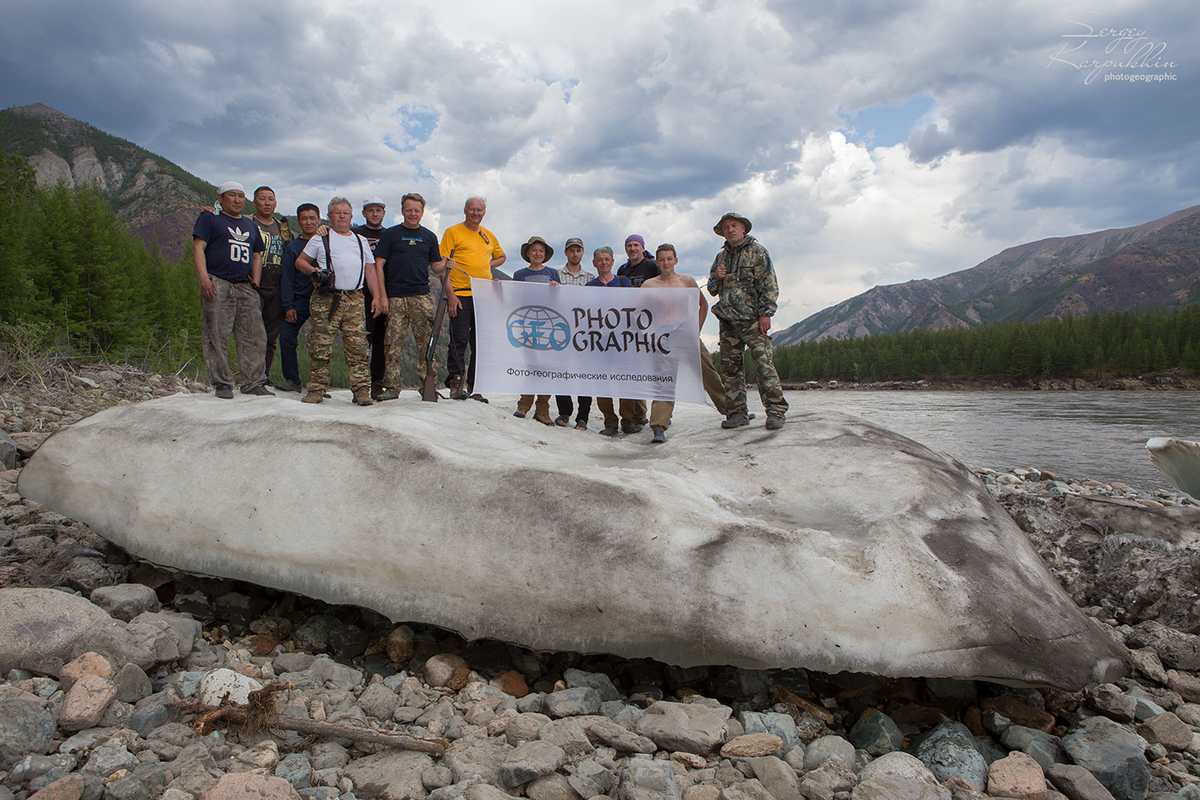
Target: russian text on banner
(639, 344)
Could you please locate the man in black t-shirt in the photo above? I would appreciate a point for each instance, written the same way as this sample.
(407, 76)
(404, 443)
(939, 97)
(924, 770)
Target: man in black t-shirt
(402, 261)
(373, 211)
(639, 267)
(275, 235)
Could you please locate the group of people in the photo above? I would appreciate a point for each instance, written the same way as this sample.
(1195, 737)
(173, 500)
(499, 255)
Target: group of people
(259, 284)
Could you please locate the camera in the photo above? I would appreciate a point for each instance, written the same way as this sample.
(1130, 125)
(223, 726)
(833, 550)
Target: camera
(323, 279)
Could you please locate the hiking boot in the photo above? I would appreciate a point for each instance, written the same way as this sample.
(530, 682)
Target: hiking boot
(478, 398)
(455, 384)
(631, 426)
(287, 386)
(659, 436)
(363, 399)
(609, 430)
(222, 391)
(260, 390)
(774, 422)
(313, 396)
(738, 420)
(545, 420)
(376, 390)
(519, 414)
(387, 394)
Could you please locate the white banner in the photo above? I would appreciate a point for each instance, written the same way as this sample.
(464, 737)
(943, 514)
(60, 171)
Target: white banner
(637, 344)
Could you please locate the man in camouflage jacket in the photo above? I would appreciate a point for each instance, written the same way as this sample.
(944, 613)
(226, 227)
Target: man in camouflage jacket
(743, 276)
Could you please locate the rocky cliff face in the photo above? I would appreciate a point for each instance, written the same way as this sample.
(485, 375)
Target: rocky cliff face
(144, 189)
(1152, 265)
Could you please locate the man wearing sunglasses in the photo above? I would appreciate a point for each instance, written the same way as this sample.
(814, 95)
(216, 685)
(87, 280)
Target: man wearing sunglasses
(470, 251)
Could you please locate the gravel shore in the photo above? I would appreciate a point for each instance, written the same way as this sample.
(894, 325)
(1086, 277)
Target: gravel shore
(106, 662)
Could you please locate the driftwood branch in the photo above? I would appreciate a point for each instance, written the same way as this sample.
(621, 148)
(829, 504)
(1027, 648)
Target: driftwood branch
(258, 714)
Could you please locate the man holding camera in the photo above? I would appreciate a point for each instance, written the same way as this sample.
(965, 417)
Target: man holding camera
(340, 264)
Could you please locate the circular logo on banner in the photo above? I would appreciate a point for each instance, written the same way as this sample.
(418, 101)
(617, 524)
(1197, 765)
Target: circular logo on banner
(538, 328)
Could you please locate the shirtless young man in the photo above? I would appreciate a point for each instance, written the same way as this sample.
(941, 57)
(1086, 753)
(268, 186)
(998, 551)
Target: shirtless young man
(660, 410)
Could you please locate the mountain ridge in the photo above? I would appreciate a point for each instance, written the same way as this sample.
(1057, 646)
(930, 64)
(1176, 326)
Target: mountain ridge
(1156, 263)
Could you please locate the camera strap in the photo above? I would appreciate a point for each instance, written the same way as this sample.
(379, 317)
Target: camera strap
(337, 297)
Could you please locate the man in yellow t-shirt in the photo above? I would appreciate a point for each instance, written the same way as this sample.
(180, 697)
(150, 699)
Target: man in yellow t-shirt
(471, 251)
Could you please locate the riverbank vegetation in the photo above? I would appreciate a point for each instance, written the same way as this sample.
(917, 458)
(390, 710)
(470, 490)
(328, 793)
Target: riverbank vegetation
(1092, 348)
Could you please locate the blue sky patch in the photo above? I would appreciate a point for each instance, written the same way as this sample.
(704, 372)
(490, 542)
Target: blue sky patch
(884, 126)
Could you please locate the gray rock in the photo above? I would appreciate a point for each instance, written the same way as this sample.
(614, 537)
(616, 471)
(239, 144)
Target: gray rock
(476, 759)
(155, 711)
(532, 703)
(313, 635)
(436, 777)
(950, 751)
(591, 778)
(125, 600)
(529, 761)
(827, 781)
(40, 629)
(394, 775)
(8, 451)
(325, 672)
(643, 779)
(1189, 713)
(898, 776)
(826, 749)
(378, 701)
(1147, 662)
(1043, 747)
(552, 787)
(624, 715)
(690, 727)
(876, 733)
(951, 689)
(127, 788)
(569, 734)
(25, 727)
(777, 777)
(110, 757)
(781, 725)
(1111, 752)
(620, 739)
(185, 630)
(576, 702)
(132, 684)
(987, 604)
(1176, 649)
(1168, 730)
(525, 728)
(1109, 700)
(296, 769)
(328, 755)
(292, 662)
(577, 678)
(1077, 783)
(746, 790)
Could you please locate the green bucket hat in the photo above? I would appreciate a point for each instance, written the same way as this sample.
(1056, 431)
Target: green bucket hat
(731, 215)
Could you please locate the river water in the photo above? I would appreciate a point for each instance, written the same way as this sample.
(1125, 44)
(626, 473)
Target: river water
(1081, 435)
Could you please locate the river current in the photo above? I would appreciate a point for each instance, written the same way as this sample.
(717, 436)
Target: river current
(1081, 435)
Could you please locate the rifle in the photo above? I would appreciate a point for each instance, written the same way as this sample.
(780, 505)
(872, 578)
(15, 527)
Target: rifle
(429, 391)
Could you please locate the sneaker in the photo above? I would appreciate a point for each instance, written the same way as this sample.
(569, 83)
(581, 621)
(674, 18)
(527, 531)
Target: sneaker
(363, 399)
(774, 422)
(562, 422)
(519, 414)
(313, 396)
(631, 426)
(386, 394)
(738, 420)
(287, 386)
(659, 436)
(224, 392)
(260, 390)
(609, 430)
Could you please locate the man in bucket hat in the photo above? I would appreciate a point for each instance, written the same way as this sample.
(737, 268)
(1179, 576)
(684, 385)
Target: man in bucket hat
(744, 278)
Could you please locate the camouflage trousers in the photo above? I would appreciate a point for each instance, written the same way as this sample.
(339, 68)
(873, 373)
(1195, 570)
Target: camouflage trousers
(736, 336)
(405, 314)
(233, 311)
(348, 320)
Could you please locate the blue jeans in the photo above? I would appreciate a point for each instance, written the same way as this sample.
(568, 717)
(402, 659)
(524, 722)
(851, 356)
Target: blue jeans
(289, 338)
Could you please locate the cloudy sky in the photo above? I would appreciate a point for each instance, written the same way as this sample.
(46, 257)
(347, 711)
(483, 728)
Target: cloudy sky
(870, 141)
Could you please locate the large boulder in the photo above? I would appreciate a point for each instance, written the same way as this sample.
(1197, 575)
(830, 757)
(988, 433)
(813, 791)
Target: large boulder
(831, 544)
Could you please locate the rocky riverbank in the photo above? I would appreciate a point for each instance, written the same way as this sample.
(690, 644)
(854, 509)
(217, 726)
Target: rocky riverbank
(101, 656)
